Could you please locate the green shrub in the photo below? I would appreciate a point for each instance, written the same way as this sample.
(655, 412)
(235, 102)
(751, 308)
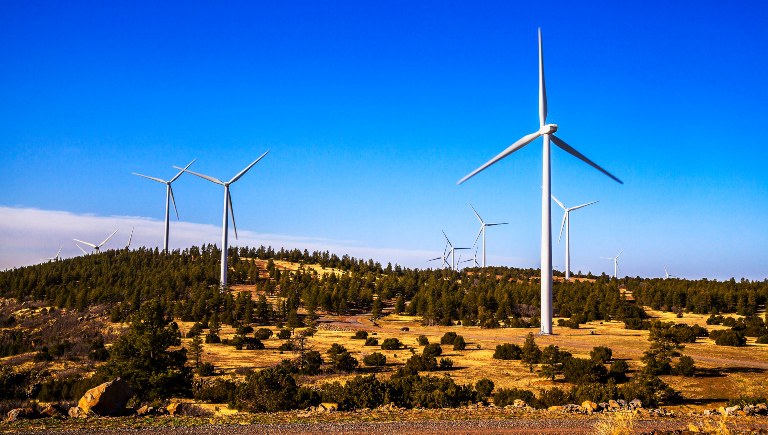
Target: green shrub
(583, 371)
(432, 350)
(506, 396)
(728, 337)
(601, 354)
(360, 335)
(375, 359)
(206, 369)
(508, 351)
(459, 343)
(651, 390)
(284, 334)
(215, 391)
(371, 341)
(391, 344)
(448, 338)
(286, 346)
(618, 370)
(263, 333)
(763, 339)
(484, 387)
(345, 362)
(421, 363)
(422, 340)
(446, 363)
(684, 366)
(269, 390)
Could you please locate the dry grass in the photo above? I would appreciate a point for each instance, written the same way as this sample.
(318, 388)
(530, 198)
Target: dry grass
(617, 423)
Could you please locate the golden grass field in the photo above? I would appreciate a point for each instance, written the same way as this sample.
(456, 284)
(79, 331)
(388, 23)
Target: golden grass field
(723, 372)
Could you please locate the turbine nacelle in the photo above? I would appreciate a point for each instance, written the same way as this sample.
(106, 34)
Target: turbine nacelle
(548, 129)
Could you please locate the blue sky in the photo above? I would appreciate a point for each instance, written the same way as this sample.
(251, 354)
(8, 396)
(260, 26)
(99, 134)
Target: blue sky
(372, 112)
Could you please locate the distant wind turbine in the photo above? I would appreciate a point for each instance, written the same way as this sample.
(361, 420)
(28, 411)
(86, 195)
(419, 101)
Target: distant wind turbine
(667, 275)
(547, 132)
(567, 224)
(452, 251)
(128, 246)
(55, 257)
(95, 247)
(227, 209)
(615, 263)
(444, 257)
(168, 199)
(483, 224)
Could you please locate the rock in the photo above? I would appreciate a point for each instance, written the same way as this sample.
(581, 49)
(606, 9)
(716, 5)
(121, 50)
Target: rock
(107, 399)
(186, 409)
(25, 413)
(731, 410)
(519, 403)
(555, 408)
(693, 428)
(621, 403)
(761, 409)
(146, 410)
(636, 403)
(76, 412)
(52, 410)
(589, 406)
(613, 404)
(573, 408)
(327, 407)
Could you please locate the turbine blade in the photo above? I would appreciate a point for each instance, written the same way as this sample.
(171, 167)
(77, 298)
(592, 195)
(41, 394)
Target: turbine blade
(569, 149)
(523, 141)
(151, 178)
(498, 223)
(81, 248)
(237, 177)
(478, 235)
(173, 200)
(211, 179)
(231, 212)
(433, 259)
(542, 87)
(129, 239)
(582, 205)
(558, 202)
(619, 254)
(59, 252)
(446, 239)
(476, 214)
(562, 225)
(85, 243)
(105, 240)
(182, 171)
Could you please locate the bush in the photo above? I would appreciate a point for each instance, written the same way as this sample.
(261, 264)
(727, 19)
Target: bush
(508, 351)
(420, 363)
(484, 387)
(459, 343)
(212, 338)
(335, 350)
(370, 341)
(684, 366)
(360, 335)
(345, 362)
(651, 390)
(618, 370)
(601, 354)
(446, 363)
(507, 396)
(375, 359)
(215, 391)
(636, 324)
(583, 371)
(263, 333)
(391, 344)
(530, 350)
(362, 392)
(432, 350)
(422, 340)
(269, 390)
(594, 392)
(448, 338)
(728, 337)
(286, 346)
(763, 339)
(206, 369)
(309, 362)
(284, 334)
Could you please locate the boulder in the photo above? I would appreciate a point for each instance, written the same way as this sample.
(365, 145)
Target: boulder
(25, 413)
(636, 403)
(52, 410)
(519, 403)
(107, 399)
(731, 410)
(555, 408)
(613, 404)
(761, 409)
(77, 412)
(187, 409)
(589, 406)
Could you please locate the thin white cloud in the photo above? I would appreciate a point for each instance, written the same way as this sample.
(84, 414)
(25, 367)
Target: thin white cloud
(28, 235)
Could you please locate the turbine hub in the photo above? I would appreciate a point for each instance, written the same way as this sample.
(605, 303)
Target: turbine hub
(548, 129)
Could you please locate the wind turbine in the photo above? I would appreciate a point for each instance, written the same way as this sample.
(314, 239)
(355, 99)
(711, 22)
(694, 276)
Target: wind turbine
(452, 252)
(547, 132)
(482, 230)
(615, 263)
(443, 258)
(95, 247)
(567, 224)
(227, 208)
(55, 257)
(81, 248)
(667, 275)
(168, 198)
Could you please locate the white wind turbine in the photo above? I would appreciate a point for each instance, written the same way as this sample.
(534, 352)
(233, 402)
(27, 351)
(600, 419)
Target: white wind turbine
(55, 257)
(615, 263)
(168, 199)
(567, 224)
(546, 131)
(667, 275)
(128, 246)
(444, 257)
(227, 209)
(95, 247)
(452, 252)
(482, 230)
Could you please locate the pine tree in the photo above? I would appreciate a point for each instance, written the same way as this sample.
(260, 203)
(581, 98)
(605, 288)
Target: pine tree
(195, 350)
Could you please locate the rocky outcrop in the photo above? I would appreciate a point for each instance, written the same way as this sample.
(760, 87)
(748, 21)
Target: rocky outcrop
(24, 413)
(107, 399)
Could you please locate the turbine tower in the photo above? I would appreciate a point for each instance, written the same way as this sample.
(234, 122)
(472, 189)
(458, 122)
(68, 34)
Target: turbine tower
(547, 132)
(168, 198)
(227, 209)
(57, 257)
(482, 230)
(452, 252)
(567, 224)
(95, 247)
(615, 263)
